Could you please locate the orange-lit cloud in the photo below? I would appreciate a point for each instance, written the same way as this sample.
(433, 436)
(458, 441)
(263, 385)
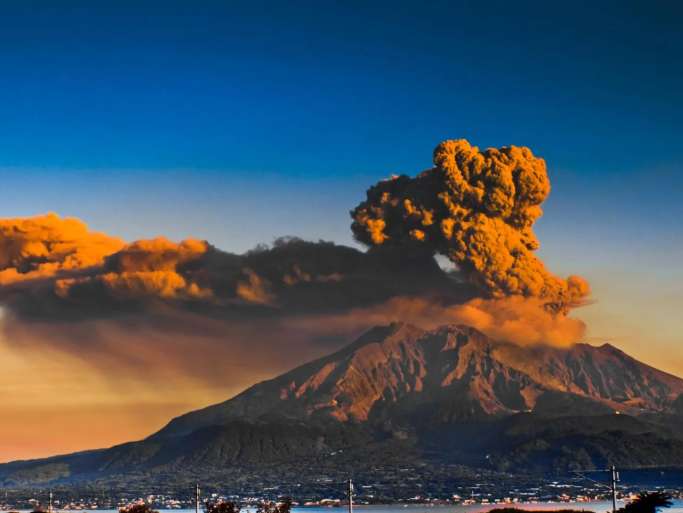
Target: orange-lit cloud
(46, 246)
(146, 268)
(478, 209)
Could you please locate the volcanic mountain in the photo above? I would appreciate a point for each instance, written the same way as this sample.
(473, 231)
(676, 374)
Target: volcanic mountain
(451, 374)
(400, 394)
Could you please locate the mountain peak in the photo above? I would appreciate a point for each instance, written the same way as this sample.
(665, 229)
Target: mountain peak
(446, 374)
(607, 346)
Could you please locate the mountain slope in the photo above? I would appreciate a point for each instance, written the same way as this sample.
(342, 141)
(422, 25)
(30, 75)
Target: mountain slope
(398, 370)
(409, 396)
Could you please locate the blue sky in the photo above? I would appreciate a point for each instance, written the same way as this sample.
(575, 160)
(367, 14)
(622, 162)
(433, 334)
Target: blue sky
(240, 121)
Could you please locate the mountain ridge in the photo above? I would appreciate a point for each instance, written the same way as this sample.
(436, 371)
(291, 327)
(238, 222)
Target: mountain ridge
(373, 369)
(405, 395)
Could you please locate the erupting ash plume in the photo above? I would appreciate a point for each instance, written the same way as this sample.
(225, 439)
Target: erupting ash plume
(478, 209)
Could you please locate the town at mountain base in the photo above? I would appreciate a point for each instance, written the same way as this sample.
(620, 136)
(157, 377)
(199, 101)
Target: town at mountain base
(449, 402)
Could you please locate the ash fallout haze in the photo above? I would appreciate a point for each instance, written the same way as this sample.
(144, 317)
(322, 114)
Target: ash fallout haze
(202, 196)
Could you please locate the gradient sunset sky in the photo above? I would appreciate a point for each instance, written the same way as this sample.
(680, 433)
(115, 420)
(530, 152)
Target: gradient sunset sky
(238, 122)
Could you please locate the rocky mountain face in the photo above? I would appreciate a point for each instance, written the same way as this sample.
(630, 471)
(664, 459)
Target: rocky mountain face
(405, 395)
(451, 374)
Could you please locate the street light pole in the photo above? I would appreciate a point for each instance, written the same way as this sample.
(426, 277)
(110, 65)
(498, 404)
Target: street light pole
(613, 483)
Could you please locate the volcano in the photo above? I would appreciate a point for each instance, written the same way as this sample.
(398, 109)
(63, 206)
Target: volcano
(403, 395)
(451, 374)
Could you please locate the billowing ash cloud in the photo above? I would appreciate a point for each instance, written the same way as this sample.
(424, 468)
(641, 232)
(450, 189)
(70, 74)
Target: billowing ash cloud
(478, 209)
(55, 268)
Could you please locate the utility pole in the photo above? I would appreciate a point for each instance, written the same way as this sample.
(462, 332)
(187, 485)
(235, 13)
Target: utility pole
(49, 504)
(196, 499)
(350, 492)
(613, 485)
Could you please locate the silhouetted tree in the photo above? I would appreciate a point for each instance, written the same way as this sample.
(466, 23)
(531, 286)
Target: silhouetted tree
(285, 506)
(138, 508)
(647, 502)
(222, 507)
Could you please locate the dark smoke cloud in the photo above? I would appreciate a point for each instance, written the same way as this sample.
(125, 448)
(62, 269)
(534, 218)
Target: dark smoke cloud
(478, 209)
(292, 276)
